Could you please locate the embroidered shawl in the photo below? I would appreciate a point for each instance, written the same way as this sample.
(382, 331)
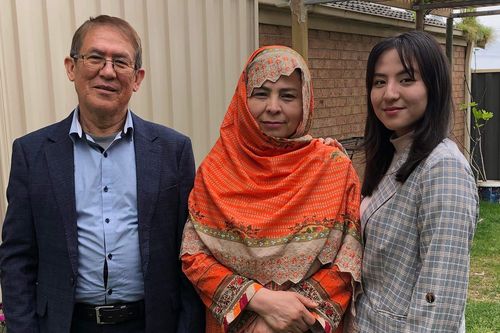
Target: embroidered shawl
(273, 212)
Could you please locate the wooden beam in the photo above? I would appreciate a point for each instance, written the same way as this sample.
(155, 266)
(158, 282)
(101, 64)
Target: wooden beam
(419, 18)
(317, 2)
(482, 13)
(436, 4)
(454, 4)
(449, 41)
(299, 28)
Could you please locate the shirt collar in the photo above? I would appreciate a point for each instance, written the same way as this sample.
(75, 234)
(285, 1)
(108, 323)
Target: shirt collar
(76, 130)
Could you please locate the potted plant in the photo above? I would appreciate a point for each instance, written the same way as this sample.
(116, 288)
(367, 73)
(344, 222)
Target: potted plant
(474, 31)
(489, 190)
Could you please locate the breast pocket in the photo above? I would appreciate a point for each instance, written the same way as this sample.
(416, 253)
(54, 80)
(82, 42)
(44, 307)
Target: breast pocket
(167, 205)
(169, 196)
(169, 187)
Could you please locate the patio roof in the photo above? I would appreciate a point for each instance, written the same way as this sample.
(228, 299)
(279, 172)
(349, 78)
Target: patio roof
(383, 9)
(421, 8)
(435, 7)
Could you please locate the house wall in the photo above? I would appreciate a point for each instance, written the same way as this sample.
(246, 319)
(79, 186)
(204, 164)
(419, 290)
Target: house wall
(193, 52)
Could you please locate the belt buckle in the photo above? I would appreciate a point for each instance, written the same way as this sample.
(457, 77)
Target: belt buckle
(98, 314)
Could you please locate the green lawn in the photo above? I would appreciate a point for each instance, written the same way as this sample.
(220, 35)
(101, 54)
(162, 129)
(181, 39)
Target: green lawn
(483, 304)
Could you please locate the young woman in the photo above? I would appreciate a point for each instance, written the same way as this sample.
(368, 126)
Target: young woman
(272, 243)
(419, 210)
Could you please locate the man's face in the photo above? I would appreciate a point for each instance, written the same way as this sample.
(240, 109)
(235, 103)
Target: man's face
(104, 92)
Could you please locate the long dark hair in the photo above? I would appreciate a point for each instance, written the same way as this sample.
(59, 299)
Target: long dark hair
(420, 49)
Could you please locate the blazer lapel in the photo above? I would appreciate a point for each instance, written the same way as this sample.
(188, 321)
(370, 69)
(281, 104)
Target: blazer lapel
(386, 190)
(147, 161)
(60, 161)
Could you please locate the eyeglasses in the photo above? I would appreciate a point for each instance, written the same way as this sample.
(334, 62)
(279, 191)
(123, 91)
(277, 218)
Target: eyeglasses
(95, 62)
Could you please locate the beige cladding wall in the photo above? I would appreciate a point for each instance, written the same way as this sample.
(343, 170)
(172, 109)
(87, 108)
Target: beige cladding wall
(193, 54)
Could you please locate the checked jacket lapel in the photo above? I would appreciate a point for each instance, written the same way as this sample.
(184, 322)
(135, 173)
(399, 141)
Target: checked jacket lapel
(385, 191)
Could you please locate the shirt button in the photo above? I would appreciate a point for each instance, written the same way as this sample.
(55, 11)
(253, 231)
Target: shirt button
(106, 220)
(110, 256)
(105, 189)
(430, 298)
(105, 154)
(110, 291)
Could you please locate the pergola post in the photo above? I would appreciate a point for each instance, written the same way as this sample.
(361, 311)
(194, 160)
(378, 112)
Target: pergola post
(419, 18)
(449, 40)
(299, 28)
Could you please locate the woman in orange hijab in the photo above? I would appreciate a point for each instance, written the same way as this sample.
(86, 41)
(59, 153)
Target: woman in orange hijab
(272, 242)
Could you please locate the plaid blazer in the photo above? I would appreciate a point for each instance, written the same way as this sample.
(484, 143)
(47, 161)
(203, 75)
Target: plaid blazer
(417, 242)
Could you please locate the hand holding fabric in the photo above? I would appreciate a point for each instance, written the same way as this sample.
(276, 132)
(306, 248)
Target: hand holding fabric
(283, 311)
(331, 142)
(259, 325)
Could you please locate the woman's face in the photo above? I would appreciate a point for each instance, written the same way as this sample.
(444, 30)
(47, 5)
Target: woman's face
(277, 107)
(398, 100)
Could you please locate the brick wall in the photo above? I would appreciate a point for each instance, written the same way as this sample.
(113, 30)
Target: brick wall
(458, 77)
(337, 62)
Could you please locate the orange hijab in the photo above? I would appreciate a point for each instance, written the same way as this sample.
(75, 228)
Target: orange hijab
(273, 209)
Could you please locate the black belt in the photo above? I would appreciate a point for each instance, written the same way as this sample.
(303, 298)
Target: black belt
(109, 314)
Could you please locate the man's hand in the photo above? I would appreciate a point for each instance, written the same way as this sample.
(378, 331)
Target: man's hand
(283, 311)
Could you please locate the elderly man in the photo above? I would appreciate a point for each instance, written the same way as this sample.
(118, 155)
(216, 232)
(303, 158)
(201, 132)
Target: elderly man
(97, 205)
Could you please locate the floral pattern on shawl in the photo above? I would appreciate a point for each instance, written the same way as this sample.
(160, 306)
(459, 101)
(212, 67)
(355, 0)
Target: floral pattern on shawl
(262, 264)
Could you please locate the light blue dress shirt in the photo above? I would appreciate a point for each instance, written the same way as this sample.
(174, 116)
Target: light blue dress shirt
(106, 207)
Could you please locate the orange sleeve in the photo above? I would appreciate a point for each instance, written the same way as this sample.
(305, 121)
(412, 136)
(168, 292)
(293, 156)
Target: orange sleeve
(224, 294)
(332, 290)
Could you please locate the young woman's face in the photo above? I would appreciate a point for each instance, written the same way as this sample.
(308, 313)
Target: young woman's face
(398, 100)
(277, 107)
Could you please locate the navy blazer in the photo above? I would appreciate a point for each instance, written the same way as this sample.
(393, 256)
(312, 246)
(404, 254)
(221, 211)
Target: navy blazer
(38, 256)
